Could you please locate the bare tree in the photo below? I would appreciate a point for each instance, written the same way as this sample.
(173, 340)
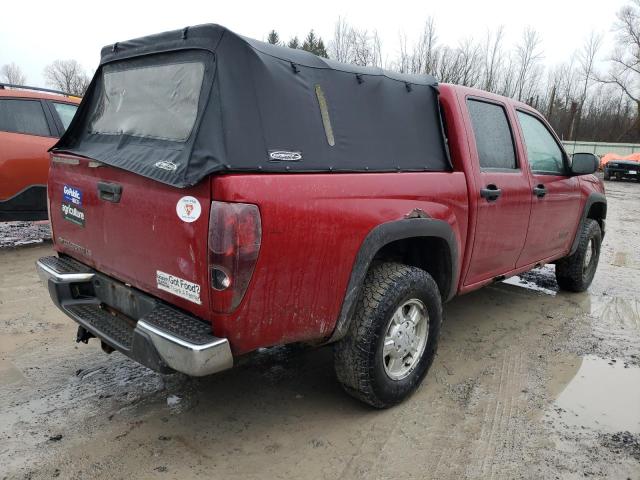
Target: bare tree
(470, 62)
(508, 80)
(449, 68)
(586, 59)
(528, 55)
(625, 60)
(352, 45)
(425, 55)
(403, 63)
(492, 51)
(68, 76)
(11, 73)
(365, 48)
(341, 44)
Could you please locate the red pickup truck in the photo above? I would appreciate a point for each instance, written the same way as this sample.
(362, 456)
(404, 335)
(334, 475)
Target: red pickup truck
(215, 195)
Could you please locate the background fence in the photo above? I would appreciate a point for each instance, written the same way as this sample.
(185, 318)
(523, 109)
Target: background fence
(601, 149)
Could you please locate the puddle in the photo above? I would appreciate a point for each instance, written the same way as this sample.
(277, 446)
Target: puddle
(519, 282)
(603, 395)
(541, 279)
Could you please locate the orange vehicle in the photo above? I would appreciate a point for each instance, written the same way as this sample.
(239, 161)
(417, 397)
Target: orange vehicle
(31, 121)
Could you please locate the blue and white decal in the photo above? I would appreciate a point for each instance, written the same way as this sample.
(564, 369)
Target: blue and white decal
(72, 195)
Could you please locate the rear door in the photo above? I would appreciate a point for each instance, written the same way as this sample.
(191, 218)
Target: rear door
(26, 134)
(504, 200)
(555, 209)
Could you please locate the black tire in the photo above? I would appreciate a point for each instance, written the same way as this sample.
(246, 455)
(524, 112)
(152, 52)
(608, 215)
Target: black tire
(571, 272)
(607, 176)
(359, 362)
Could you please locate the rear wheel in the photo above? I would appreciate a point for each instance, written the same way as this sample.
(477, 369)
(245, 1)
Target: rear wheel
(575, 272)
(393, 336)
(606, 175)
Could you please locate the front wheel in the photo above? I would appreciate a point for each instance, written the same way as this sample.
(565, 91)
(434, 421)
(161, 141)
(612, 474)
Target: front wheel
(575, 272)
(393, 336)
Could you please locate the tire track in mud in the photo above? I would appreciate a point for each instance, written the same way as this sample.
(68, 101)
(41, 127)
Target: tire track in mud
(615, 323)
(496, 450)
(363, 460)
(618, 312)
(435, 451)
(447, 448)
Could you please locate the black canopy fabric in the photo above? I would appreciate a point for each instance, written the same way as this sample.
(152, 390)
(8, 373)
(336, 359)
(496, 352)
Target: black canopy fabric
(260, 108)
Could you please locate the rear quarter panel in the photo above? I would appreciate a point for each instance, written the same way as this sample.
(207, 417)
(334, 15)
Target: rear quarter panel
(313, 226)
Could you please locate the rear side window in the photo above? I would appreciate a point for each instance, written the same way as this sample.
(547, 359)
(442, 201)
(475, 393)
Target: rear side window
(158, 101)
(23, 116)
(543, 153)
(65, 111)
(493, 135)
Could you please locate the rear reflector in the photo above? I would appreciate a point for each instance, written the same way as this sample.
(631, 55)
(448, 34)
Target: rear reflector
(235, 233)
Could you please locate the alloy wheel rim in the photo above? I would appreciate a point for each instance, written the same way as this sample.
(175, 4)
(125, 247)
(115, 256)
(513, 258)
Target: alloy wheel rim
(405, 339)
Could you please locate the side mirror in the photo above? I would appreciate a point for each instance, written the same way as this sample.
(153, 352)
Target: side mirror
(584, 163)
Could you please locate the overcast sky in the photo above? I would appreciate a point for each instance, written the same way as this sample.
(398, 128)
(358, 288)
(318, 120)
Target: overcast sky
(33, 34)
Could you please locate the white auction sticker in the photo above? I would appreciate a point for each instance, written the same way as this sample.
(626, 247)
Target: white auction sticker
(178, 286)
(188, 209)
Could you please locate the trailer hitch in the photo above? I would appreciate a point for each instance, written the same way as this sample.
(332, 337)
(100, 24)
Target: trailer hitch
(83, 335)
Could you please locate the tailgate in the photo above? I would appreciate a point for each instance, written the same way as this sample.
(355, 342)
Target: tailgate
(147, 234)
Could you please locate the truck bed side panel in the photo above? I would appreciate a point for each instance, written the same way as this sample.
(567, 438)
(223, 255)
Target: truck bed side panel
(313, 226)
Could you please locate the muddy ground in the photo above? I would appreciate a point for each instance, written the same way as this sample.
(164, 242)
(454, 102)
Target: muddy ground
(528, 383)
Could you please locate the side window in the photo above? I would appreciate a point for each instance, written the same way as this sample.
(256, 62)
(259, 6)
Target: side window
(493, 135)
(23, 116)
(544, 154)
(65, 111)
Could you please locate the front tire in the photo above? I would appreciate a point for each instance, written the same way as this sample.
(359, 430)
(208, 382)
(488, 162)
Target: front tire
(575, 272)
(607, 176)
(393, 336)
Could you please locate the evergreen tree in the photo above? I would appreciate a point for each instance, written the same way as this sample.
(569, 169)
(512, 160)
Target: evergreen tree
(315, 45)
(273, 38)
(294, 43)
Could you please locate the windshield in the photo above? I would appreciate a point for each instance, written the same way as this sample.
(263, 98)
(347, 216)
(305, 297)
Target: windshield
(65, 111)
(159, 101)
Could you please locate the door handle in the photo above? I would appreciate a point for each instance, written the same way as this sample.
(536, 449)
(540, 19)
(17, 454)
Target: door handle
(540, 191)
(490, 192)
(109, 192)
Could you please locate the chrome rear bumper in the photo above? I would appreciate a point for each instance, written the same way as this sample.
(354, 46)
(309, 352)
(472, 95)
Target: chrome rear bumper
(140, 326)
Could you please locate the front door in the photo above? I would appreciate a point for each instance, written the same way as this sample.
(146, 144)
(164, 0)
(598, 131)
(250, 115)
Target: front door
(504, 199)
(555, 210)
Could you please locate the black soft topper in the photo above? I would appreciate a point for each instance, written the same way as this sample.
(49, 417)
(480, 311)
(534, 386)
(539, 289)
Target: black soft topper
(180, 105)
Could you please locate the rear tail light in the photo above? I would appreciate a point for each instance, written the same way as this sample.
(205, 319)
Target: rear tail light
(235, 233)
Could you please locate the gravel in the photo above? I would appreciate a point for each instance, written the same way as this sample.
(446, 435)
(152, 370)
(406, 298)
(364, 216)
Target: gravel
(18, 234)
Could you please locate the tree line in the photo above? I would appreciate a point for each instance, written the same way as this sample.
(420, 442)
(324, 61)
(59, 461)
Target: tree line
(593, 96)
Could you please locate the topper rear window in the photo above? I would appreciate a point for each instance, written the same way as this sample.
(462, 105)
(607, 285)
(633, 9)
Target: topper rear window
(158, 101)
